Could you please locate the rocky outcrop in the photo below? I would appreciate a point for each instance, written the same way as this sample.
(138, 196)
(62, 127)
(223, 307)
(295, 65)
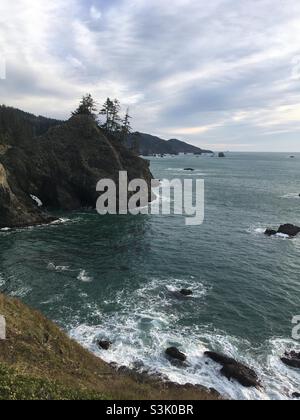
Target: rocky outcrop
(16, 207)
(104, 344)
(242, 374)
(271, 232)
(235, 370)
(219, 358)
(287, 229)
(182, 294)
(291, 359)
(175, 354)
(46, 364)
(61, 167)
(186, 292)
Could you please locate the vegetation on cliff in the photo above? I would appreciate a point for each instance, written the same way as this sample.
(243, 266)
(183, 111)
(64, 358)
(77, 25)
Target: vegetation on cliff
(151, 145)
(39, 361)
(58, 162)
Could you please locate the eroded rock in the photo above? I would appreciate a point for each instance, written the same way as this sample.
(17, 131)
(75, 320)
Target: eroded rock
(104, 344)
(235, 370)
(174, 353)
(288, 229)
(61, 165)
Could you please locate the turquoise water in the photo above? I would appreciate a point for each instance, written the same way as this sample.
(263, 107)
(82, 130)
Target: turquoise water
(112, 277)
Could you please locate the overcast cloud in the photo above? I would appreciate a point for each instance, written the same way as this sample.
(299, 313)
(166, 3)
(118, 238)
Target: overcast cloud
(223, 74)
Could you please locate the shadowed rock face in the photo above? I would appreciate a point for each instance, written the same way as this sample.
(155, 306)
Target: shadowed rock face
(289, 230)
(16, 207)
(174, 353)
(104, 344)
(61, 167)
(291, 359)
(235, 370)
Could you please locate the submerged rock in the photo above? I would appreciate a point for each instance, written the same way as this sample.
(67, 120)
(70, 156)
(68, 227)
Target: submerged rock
(270, 232)
(181, 294)
(175, 354)
(189, 169)
(186, 292)
(235, 370)
(296, 395)
(104, 344)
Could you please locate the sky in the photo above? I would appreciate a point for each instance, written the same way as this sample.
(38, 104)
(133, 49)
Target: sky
(221, 74)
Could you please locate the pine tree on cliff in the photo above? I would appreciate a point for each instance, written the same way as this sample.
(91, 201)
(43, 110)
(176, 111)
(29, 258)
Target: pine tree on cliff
(116, 121)
(110, 111)
(106, 113)
(126, 127)
(87, 106)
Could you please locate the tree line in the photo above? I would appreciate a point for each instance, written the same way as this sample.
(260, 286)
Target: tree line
(109, 118)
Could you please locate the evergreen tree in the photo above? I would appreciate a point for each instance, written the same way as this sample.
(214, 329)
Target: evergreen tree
(106, 112)
(87, 106)
(126, 126)
(115, 118)
(110, 111)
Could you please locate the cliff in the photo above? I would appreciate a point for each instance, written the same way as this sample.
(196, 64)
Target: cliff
(38, 361)
(58, 162)
(151, 145)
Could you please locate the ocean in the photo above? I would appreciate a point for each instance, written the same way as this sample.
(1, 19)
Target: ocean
(114, 277)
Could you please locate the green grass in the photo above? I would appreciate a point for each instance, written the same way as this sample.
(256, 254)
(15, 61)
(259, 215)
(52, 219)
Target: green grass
(14, 386)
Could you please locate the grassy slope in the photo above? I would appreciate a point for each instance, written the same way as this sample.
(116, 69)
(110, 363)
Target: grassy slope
(39, 361)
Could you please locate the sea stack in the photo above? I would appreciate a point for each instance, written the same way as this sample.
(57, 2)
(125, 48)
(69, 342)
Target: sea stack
(61, 165)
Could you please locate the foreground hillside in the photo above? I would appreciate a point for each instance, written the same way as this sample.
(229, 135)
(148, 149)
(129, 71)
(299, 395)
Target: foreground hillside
(39, 361)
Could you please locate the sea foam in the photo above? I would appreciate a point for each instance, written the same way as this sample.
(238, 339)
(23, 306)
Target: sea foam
(143, 327)
(84, 277)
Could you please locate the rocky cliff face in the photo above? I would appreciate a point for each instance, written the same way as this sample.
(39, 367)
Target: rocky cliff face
(61, 167)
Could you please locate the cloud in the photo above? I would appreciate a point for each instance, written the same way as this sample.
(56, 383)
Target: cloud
(95, 13)
(187, 131)
(206, 72)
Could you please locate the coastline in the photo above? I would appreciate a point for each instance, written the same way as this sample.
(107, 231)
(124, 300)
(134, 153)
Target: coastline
(149, 292)
(37, 352)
